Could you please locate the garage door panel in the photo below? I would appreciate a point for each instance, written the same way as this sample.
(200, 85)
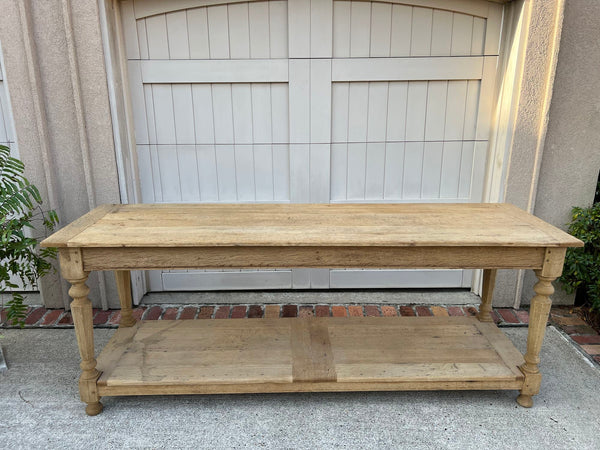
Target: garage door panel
(363, 29)
(311, 101)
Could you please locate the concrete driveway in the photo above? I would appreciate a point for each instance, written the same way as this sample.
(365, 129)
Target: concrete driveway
(39, 408)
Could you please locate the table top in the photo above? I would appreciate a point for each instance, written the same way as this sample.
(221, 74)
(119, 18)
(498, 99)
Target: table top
(320, 225)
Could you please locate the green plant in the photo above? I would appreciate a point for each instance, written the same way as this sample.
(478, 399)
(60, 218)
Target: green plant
(582, 265)
(20, 212)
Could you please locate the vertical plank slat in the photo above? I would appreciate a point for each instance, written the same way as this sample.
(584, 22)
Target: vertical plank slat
(169, 171)
(396, 110)
(281, 172)
(299, 126)
(218, 32)
(478, 37)
(394, 170)
(360, 29)
(441, 36)
(279, 113)
(258, 14)
(450, 173)
(241, 97)
(478, 171)
(130, 31)
(164, 114)
(437, 93)
(183, 114)
(158, 43)
(244, 172)
(239, 31)
(455, 110)
(401, 30)
(223, 113)
(413, 166)
(261, 113)
(142, 39)
(207, 173)
(150, 121)
(417, 106)
(471, 109)
(466, 169)
(375, 166)
(358, 106)
(263, 172)
(188, 173)
(341, 29)
(486, 97)
(462, 35)
(339, 170)
(138, 102)
(156, 174)
(198, 33)
(299, 28)
(340, 110)
(321, 29)
(381, 29)
(177, 35)
(203, 113)
(357, 161)
(432, 167)
(421, 32)
(278, 28)
(145, 171)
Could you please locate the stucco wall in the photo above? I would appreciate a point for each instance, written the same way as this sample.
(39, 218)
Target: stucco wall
(56, 78)
(571, 158)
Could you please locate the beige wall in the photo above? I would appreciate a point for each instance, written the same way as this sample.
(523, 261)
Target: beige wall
(571, 160)
(57, 80)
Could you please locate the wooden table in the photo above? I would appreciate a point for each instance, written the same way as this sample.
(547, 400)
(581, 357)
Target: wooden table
(315, 354)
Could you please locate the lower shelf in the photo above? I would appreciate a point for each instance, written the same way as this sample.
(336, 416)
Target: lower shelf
(314, 354)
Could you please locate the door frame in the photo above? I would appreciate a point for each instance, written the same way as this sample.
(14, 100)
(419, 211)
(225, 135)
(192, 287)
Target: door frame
(518, 69)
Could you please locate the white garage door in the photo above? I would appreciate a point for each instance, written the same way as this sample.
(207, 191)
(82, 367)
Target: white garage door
(311, 101)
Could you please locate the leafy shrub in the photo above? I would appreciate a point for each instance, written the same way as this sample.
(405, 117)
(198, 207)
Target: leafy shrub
(582, 265)
(20, 212)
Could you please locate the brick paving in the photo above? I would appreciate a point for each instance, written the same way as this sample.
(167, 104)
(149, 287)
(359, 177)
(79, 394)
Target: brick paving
(582, 335)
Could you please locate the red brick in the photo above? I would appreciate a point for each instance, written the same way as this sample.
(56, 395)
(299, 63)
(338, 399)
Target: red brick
(206, 312)
(355, 311)
(372, 311)
(189, 312)
(66, 319)
(222, 312)
(255, 312)
(238, 312)
(170, 314)
(153, 313)
(389, 311)
(272, 311)
(508, 315)
(591, 349)
(522, 315)
(115, 318)
(289, 311)
(138, 312)
(339, 311)
(3, 315)
(407, 311)
(587, 339)
(101, 317)
(34, 316)
(306, 311)
(455, 311)
(470, 311)
(322, 310)
(423, 311)
(52, 316)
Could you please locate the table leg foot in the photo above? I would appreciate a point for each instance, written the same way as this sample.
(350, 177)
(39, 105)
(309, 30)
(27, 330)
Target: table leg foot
(526, 401)
(93, 409)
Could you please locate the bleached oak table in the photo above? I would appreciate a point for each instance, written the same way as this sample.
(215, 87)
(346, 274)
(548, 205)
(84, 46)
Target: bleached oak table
(314, 354)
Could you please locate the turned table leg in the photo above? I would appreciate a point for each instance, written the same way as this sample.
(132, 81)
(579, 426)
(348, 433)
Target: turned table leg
(538, 318)
(485, 309)
(124, 288)
(81, 309)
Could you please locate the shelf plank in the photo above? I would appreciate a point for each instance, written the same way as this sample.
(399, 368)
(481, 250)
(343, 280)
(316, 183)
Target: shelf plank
(314, 354)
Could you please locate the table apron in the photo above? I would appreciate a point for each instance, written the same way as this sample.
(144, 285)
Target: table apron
(476, 257)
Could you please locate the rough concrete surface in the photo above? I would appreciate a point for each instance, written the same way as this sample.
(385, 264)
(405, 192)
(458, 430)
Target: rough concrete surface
(39, 408)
